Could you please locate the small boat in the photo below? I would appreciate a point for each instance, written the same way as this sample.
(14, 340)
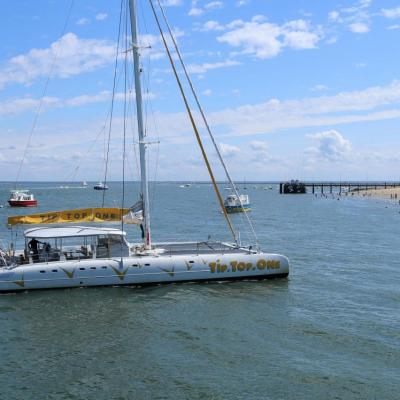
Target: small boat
(234, 204)
(21, 198)
(100, 186)
(84, 184)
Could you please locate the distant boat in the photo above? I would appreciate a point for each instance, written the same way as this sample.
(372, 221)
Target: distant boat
(234, 204)
(84, 184)
(21, 198)
(100, 186)
(185, 185)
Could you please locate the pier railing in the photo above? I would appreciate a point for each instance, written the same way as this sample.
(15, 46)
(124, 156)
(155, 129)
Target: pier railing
(327, 187)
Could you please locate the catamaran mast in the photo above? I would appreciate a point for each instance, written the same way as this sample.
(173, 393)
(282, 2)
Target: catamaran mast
(142, 135)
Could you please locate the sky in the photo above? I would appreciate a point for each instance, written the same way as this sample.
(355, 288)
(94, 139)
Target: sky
(304, 89)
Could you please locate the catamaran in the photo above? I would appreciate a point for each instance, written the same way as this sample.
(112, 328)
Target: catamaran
(59, 254)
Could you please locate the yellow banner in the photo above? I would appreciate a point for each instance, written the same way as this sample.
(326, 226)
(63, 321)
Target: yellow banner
(73, 216)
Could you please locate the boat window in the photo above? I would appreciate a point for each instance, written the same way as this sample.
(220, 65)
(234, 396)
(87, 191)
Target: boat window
(54, 270)
(42, 272)
(191, 262)
(92, 267)
(147, 265)
(134, 265)
(82, 269)
(104, 267)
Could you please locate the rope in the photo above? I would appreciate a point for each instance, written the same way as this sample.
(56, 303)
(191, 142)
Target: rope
(112, 104)
(221, 202)
(46, 85)
(124, 140)
(205, 121)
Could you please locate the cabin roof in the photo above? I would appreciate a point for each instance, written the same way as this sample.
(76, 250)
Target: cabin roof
(70, 231)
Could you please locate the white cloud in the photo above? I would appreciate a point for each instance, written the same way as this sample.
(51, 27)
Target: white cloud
(83, 21)
(332, 40)
(195, 12)
(391, 13)
(266, 40)
(72, 56)
(258, 153)
(359, 27)
(371, 104)
(88, 99)
(214, 5)
(212, 26)
(319, 88)
(357, 18)
(18, 106)
(207, 92)
(333, 15)
(241, 3)
(101, 16)
(172, 3)
(330, 145)
(393, 27)
(228, 150)
(202, 68)
(258, 146)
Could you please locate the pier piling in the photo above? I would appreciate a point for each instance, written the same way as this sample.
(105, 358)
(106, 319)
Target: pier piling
(355, 186)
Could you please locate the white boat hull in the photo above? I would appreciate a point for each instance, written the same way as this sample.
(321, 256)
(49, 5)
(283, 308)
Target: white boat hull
(143, 270)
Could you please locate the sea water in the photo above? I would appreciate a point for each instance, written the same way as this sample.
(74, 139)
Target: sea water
(329, 331)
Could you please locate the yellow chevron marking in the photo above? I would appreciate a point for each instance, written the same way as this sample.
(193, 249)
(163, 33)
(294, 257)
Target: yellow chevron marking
(120, 274)
(70, 274)
(20, 282)
(169, 272)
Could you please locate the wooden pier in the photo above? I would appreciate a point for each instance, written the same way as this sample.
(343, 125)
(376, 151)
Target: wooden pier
(327, 187)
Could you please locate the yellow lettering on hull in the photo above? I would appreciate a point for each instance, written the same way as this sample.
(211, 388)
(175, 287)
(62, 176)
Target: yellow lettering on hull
(234, 266)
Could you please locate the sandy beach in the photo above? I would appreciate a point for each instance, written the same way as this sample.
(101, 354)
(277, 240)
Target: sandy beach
(389, 193)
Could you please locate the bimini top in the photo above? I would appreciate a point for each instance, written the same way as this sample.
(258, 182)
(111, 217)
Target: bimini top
(70, 231)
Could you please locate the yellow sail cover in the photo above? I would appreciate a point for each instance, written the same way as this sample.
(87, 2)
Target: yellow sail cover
(72, 216)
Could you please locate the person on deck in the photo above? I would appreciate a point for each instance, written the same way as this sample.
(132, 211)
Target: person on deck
(33, 247)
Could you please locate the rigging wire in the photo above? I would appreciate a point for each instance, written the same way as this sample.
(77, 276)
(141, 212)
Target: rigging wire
(194, 126)
(149, 110)
(102, 130)
(46, 85)
(156, 130)
(112, 103)
(125, 113)
(133, 117)
(205, 120)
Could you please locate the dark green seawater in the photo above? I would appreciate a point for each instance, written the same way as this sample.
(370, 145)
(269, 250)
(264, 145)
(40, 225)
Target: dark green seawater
(330, 331)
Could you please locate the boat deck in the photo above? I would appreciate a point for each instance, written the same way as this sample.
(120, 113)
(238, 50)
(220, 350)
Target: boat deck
(183, 248)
